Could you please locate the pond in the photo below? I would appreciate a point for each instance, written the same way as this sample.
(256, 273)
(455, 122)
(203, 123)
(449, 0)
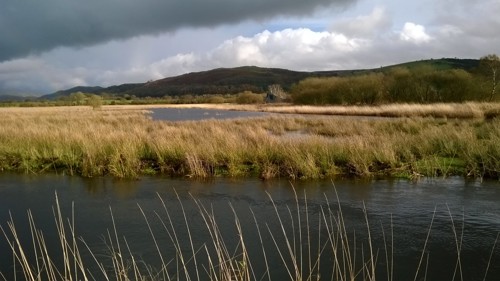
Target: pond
(195, 114)
(268, 229)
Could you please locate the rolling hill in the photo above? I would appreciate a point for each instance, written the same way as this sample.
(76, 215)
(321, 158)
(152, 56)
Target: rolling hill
(440, 64)
(226, 81)
(120, 89)
(245, 78)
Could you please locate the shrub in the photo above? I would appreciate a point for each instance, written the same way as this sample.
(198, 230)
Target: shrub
(95, 101)
(248, 97)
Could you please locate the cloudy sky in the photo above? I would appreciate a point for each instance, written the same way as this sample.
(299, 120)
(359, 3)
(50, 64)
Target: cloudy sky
(51, 45)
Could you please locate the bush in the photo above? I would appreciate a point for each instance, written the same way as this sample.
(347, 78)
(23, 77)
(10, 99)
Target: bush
(215, 99)
(423, 84)
(95, 101)
(248, 97)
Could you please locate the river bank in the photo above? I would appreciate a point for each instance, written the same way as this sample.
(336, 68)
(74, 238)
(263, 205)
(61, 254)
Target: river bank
(125, 142)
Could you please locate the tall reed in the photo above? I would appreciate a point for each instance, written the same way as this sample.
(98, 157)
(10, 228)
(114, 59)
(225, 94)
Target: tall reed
(126, 143)
(304, 245)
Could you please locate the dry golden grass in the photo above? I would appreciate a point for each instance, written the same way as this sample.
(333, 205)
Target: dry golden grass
(125, 142)
(449, 110)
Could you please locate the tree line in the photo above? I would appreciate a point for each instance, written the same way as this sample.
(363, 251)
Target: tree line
(422, 84)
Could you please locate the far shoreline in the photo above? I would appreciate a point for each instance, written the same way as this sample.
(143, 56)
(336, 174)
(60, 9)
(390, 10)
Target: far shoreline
(468, 110)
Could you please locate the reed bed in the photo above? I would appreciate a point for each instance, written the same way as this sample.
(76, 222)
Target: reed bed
(443, 110)
(127, 143)
(305, 245)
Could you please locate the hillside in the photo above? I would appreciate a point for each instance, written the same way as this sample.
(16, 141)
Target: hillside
(83, 89)
(226, 81)
(440, 64)
(119, 90)
(239, 79)
(12, 98)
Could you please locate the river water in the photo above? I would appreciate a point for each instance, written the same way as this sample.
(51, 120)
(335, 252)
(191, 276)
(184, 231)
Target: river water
(300, 214)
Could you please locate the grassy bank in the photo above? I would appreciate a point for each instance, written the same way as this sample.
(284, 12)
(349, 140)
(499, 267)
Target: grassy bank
(125, 143)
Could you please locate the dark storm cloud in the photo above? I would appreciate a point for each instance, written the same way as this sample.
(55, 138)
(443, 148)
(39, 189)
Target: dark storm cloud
(33, 26)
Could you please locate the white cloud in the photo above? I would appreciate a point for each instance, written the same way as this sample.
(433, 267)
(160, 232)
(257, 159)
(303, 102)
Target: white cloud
(178, 64)
(414, 33)
(366, 25)
(299, 48)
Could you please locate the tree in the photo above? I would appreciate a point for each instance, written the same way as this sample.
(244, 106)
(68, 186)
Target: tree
(95, 101)
(248, 97)
(276, 93)
(325, 90)
(451, 85)
(398, 82)
(77, 98)
(365, 89)
(490, 65)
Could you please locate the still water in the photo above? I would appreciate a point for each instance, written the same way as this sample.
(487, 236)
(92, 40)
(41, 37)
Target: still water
(194, 114)
(297, 211)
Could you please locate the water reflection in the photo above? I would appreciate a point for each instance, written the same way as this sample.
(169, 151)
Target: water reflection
(101, 186)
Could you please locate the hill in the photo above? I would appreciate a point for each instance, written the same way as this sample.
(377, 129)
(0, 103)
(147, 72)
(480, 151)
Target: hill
(226, 81)
(12, 98)
(440, 64)
(83, 89)
(118, 90)
(245, 78)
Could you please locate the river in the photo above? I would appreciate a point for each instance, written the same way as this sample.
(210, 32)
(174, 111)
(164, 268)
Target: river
(305, 214)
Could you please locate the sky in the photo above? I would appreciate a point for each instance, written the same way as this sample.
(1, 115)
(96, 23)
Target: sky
(53, 45)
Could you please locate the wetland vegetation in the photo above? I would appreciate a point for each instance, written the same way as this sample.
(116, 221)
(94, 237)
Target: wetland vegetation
(126, 143)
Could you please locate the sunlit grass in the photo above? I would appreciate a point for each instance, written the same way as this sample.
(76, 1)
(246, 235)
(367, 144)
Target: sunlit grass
(126, 143)
(449, 110)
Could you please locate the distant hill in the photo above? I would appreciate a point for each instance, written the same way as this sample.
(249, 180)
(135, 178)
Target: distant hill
(440, 64)
(123, 88)
(8, 98)
(118, 90)
(4, 98)
(226, 81)
(239, 79)
(83, 89)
